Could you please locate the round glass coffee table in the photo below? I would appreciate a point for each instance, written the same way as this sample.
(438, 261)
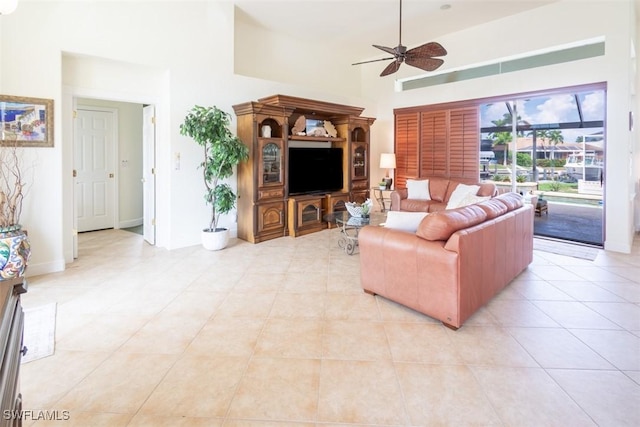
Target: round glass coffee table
(350, 226)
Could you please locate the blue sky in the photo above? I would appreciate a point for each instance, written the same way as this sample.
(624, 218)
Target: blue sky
(552, 109)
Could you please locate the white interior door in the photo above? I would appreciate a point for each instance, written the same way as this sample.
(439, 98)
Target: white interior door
(148, 173)
(95, 141)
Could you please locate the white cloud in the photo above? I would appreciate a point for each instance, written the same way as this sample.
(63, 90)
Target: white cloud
(593, 106)
(556, 109)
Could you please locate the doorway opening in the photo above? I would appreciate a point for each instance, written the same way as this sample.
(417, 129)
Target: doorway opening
(560, 157)
(114, 167)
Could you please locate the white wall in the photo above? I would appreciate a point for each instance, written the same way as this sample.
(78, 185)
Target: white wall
(293, 61)
(553, 25)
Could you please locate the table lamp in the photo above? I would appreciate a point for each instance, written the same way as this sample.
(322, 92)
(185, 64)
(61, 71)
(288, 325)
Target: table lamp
(388, 162)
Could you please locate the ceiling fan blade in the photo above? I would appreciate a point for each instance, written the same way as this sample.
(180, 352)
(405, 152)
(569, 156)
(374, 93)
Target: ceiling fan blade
(428, 49)
(389, 50)
(391, 68)
(373, 60)
(427, 64)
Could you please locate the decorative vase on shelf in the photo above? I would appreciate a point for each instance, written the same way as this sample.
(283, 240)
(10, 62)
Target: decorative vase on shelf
(266, 131)
(15, 252)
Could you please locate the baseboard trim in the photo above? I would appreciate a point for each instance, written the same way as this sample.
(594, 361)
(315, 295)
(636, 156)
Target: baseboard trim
(45, 268)
(130, 223)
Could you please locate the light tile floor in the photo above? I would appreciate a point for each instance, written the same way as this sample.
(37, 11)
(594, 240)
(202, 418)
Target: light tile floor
(281, 334)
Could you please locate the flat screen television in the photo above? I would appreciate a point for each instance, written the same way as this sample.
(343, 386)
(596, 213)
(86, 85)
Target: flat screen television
(315, 170)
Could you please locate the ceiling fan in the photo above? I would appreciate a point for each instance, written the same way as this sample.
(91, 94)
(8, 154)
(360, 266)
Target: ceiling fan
(421, 57)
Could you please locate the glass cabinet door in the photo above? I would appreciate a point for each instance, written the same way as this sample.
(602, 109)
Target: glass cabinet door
(310, 214)
(359, 161)
(271, 163)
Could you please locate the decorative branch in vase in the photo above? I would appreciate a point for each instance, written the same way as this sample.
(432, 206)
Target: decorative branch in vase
(15, 249)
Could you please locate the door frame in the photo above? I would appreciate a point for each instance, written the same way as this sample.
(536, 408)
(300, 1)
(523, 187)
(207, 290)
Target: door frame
(149, 162)
(75, 95)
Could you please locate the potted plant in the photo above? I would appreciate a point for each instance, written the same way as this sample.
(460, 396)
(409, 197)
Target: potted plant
(209, 128)
(14, 243)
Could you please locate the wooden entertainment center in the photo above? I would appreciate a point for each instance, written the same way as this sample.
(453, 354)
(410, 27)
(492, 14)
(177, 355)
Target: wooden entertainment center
(266, 208)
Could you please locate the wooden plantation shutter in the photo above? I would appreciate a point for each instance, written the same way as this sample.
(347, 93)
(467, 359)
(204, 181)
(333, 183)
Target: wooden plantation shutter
(464, 144)
(437, 143)
(433, 144)
(406, 148)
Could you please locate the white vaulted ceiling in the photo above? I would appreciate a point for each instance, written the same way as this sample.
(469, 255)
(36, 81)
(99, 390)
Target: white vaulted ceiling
(357, 24)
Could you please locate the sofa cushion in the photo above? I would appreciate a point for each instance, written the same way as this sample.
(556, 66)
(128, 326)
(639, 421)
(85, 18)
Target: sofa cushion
(418, 189)
(438, 189)
(441, 225)
(412, 205)
(493, 208)
(405, 221)
(511, 200)
(458, 195)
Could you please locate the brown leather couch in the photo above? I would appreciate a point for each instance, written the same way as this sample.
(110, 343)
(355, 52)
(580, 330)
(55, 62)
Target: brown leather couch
(440, 190)
(457, 260)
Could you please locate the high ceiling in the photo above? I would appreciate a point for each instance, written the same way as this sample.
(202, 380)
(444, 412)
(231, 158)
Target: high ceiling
(357, 24)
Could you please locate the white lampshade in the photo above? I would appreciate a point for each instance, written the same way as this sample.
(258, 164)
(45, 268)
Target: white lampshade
(8, 6)
(387, 161)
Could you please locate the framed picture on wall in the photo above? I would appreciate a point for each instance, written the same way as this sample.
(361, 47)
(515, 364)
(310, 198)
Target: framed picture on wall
(26, 122)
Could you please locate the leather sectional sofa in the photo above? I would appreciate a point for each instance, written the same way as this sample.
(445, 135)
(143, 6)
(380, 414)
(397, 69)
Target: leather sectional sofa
(456, 261)
(439, 194)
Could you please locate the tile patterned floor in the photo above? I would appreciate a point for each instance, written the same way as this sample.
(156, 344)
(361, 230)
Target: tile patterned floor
(280, 334)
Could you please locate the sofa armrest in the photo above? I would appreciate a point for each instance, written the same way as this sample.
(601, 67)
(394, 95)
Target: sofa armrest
(396, 197)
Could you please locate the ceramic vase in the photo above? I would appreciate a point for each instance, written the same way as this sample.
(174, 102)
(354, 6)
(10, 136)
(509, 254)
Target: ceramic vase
(15, 252)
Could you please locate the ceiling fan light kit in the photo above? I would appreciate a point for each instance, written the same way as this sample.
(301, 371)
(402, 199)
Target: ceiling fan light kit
(423, 57)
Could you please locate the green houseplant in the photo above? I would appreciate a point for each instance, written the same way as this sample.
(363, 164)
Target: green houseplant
(209, 128)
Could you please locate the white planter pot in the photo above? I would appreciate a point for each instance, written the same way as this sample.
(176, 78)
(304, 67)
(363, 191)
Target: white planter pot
(215, 240)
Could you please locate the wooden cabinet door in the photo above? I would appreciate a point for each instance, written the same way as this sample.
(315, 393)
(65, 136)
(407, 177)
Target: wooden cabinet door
(406, 148)
(433, 143)
(270, 217)
(464, 144)
(309, 212)
(335, 202)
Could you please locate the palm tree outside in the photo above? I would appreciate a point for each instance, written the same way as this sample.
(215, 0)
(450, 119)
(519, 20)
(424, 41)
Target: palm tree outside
(554, 137)
(502, 138)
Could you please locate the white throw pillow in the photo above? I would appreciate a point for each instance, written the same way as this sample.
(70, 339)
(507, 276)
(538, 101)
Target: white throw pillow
(460, 193)
(418, 189)
(471, 199)
(405, 221)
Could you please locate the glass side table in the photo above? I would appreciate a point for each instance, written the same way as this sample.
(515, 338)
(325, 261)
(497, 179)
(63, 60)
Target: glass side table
(350, 226)
(383, 197)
